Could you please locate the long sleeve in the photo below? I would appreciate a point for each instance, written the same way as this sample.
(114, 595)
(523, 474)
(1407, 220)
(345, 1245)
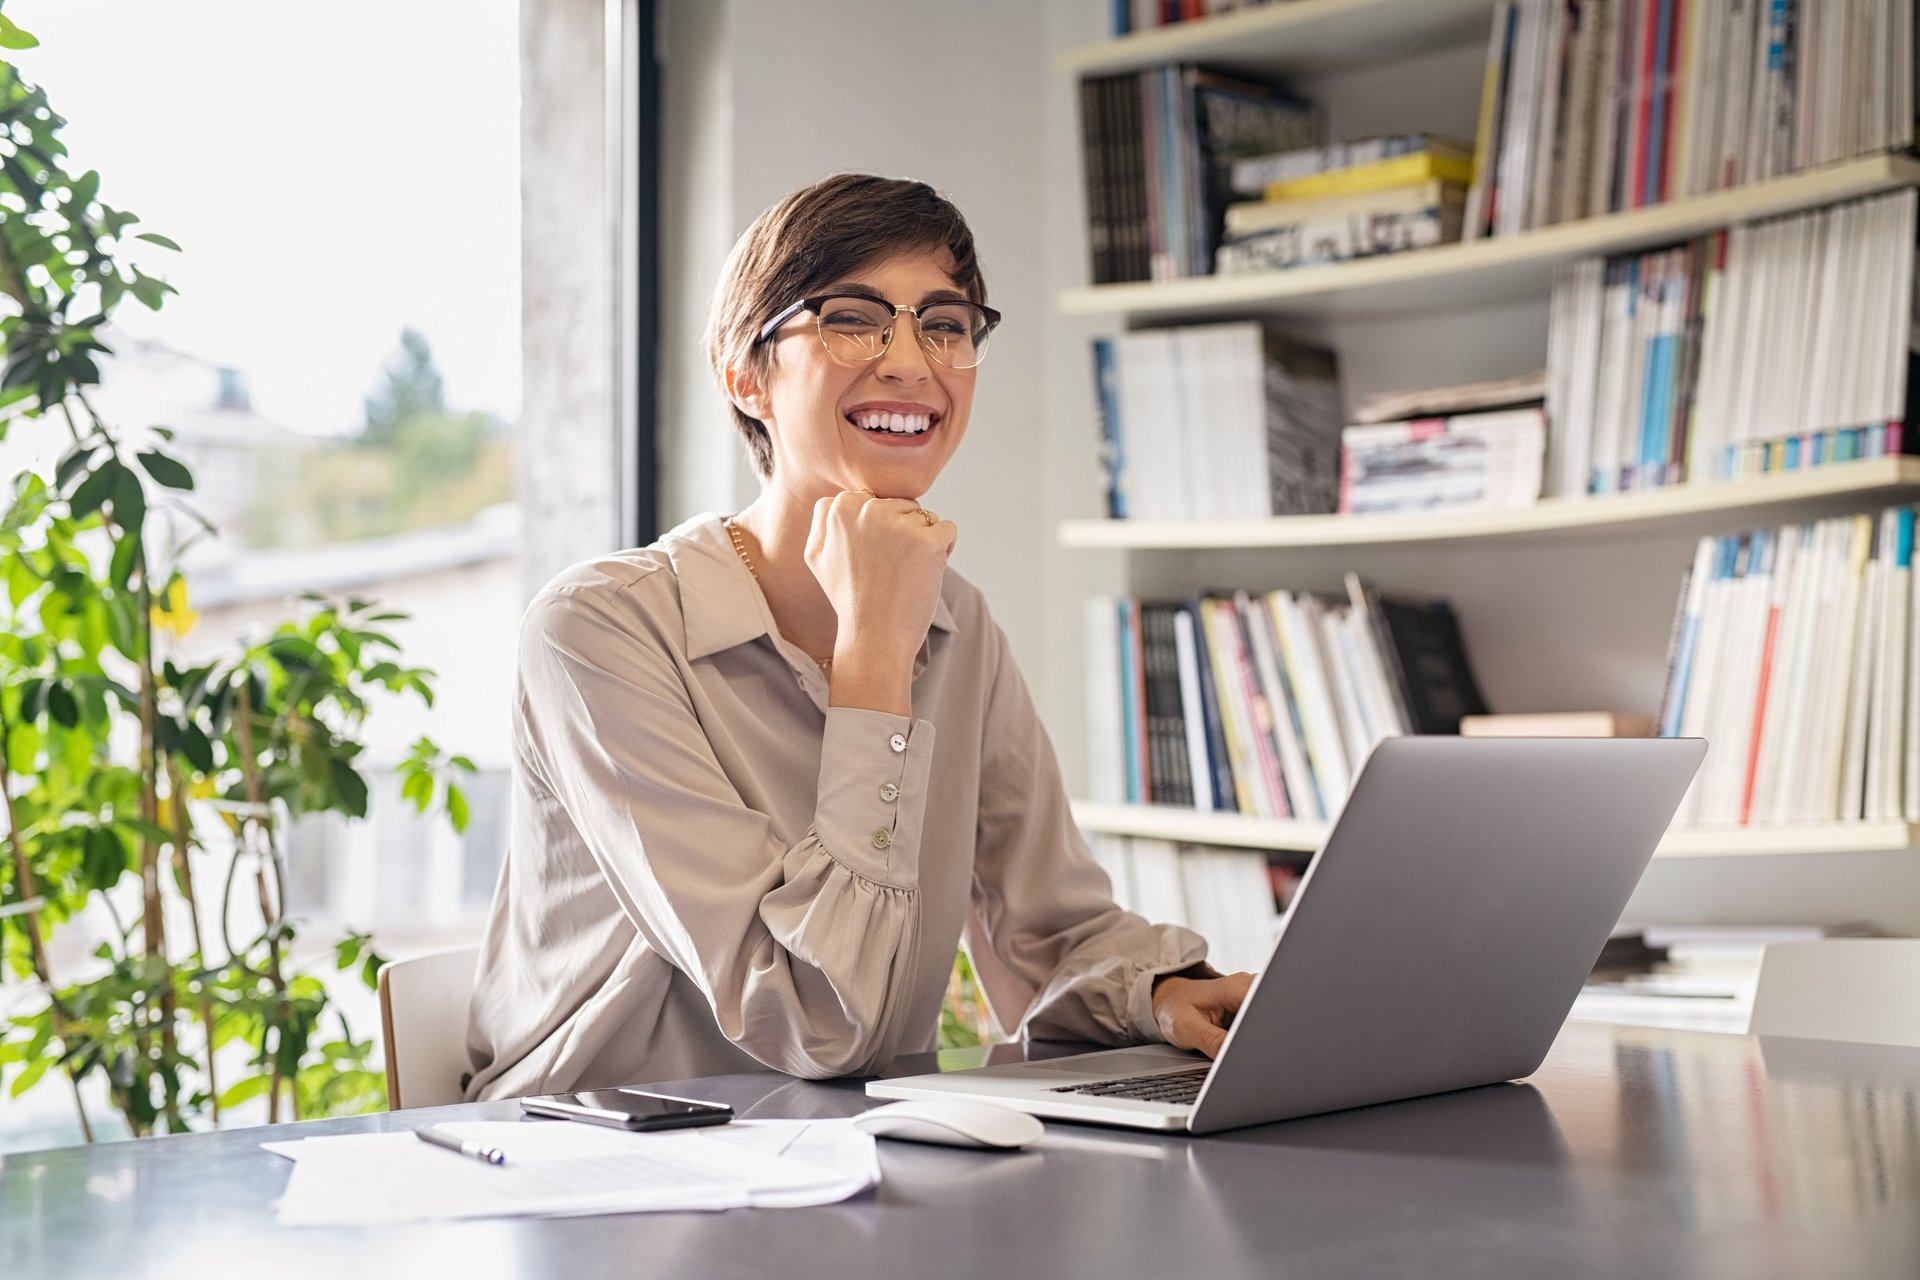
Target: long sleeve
(1053, 951)
(801, 950)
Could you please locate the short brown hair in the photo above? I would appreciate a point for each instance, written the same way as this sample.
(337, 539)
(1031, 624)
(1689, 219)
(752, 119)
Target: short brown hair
(815, 237)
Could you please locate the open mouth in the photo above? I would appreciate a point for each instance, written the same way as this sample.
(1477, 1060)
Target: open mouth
(874, 422)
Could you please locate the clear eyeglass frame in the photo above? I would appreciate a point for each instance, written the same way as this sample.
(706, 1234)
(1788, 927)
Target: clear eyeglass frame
(858, 327)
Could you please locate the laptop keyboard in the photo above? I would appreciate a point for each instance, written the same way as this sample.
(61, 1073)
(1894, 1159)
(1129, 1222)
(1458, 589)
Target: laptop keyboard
(1173, 1087)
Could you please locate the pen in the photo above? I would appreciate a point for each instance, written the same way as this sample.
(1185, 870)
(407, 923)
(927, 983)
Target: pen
(488, 1155)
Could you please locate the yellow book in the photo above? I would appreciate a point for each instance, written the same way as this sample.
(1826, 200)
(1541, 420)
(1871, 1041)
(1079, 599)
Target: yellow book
(1446, 164)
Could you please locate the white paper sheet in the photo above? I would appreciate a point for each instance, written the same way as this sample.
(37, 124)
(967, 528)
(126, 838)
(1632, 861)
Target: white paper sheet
(563, 1168)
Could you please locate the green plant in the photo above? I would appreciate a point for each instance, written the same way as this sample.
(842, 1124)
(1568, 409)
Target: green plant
(151, 792)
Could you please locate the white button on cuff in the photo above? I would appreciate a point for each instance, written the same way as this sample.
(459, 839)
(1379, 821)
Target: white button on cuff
(898, 742)
(882, 838)
(889, 793)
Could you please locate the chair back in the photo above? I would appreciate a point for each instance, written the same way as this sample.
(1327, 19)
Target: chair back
(1863, 989)
(423, 1018)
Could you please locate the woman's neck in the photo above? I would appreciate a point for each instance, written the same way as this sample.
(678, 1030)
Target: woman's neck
(776, 525)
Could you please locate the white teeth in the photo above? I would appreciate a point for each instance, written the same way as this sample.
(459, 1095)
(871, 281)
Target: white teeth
(906, 424)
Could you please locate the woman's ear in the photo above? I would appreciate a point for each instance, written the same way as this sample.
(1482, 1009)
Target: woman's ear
(747, 394)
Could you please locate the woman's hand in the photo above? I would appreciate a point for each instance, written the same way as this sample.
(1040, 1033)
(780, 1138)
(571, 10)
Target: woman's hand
(1194, 1013)
(881, 565)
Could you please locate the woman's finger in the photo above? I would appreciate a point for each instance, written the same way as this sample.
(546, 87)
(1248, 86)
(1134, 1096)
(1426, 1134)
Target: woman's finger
(1193, 1029)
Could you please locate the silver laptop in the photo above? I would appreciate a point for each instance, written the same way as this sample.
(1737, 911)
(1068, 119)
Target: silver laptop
(1437, 942)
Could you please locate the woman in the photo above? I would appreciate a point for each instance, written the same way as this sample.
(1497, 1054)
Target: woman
(771, 769)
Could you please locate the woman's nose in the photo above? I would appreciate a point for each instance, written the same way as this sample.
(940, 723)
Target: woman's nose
(903, 359)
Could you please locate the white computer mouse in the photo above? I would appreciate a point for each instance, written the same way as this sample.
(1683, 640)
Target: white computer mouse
(952, 1122)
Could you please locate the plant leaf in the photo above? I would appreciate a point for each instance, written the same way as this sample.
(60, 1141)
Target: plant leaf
(94, 489)
(12, 37)
(170, 472)
(154, 237)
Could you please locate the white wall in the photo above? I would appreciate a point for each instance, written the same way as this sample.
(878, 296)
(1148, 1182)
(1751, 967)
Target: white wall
(756, 101)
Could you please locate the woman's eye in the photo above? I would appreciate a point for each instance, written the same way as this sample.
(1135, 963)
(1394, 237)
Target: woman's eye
(848, 320)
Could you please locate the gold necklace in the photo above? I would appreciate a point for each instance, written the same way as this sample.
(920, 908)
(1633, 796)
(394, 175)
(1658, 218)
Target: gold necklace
(740, 549)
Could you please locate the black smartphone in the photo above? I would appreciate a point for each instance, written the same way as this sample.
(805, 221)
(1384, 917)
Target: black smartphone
(628, 1109)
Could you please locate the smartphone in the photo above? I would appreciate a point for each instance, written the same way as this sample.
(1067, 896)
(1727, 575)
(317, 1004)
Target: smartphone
(628, 1109)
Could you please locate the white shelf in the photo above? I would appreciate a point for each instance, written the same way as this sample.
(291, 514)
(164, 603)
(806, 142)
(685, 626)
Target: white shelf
(1167, 823)
(1677, 508)
(1494, 270)
(1292, 37)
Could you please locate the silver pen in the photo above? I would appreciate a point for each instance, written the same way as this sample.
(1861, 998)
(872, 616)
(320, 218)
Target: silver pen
(486, 1155)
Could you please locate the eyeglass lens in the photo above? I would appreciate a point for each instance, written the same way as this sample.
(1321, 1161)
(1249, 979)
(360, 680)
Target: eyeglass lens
(856, 328)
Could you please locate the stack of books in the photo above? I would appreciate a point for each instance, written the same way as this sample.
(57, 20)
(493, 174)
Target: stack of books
(1264, 704)
(1794, 654)
(1592, 106)
(1466, 462)
(1157, 146)
(1350, 200)
(1767, 347)
(1234, 898)
(1223, 421)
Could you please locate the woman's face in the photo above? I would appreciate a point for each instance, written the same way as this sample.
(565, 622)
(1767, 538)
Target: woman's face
(830, 418)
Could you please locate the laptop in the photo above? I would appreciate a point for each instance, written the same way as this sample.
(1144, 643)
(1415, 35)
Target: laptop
(1437, 942)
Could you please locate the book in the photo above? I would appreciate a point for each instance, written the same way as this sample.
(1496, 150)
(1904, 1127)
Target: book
(1444, 162)
(1251, 217)
(1255, 175)
(1519, 391)
(1341, 238)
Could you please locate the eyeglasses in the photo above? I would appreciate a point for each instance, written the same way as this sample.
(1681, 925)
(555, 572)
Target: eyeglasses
(857, 327)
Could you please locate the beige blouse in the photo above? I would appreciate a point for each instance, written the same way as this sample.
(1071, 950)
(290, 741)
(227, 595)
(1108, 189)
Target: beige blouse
(710, 870)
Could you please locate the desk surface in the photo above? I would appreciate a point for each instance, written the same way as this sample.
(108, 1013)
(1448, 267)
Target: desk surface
(1632, 1152)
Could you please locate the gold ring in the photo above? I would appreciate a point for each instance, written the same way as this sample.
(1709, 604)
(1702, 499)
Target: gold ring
(932, 519)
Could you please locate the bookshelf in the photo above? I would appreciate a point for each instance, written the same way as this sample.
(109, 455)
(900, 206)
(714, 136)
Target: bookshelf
(1298, 37)
(1503, 268)
(1692, 509)
(1399, 321)
(1285, 835)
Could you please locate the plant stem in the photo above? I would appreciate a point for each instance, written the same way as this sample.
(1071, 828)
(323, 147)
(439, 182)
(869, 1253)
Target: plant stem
(153, 917)
(249, 764)
(183, 873)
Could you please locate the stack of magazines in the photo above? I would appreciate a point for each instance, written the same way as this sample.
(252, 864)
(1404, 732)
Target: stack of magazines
(1349, 200)
(1475, 446)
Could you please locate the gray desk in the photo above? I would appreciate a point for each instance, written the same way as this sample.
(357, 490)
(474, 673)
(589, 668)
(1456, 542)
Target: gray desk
(1631, 1153)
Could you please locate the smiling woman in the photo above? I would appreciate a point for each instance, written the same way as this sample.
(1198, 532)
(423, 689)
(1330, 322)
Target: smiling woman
(774, 768)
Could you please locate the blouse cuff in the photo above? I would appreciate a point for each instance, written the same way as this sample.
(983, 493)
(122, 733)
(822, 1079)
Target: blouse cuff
(1140, 995)
(872, 793)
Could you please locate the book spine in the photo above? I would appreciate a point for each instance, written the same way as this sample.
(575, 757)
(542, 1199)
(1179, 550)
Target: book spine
(1219, 763)
(1112, 451)
(1193, 721)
